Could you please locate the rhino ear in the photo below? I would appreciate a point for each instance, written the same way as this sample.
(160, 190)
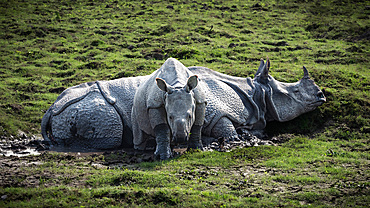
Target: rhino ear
(306, 75)
(163, 85)
(266, 69)
(192, 83)
(262, 64)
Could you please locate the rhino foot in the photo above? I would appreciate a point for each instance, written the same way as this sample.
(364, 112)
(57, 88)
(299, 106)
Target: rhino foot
(232, 138)
(162, 153)
(246, 135)
(225, 129)
(195, 146)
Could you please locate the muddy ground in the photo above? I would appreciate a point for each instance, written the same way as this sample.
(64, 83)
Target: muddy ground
(21, 152)
(30, 162)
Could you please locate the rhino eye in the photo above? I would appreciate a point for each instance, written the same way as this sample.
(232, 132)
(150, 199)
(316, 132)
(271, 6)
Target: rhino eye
(171, 117)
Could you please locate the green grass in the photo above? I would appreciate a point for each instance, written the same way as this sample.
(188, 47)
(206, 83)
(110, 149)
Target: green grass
(46, 47)
(50, 46)
(300, 172)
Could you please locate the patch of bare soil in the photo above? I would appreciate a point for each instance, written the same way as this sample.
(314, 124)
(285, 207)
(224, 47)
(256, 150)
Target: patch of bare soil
(72, 168)
(30, 162)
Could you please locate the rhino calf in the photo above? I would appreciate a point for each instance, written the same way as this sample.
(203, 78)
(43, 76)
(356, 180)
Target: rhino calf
(169, 106)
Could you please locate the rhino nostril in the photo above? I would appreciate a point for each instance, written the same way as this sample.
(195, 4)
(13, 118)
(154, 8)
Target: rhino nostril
(320, 95)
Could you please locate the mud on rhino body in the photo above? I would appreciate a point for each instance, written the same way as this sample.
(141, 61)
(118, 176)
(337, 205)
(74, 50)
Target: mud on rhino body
(98, 114)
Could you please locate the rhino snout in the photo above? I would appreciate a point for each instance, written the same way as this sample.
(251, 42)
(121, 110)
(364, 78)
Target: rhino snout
(321, 97)
(180, 132)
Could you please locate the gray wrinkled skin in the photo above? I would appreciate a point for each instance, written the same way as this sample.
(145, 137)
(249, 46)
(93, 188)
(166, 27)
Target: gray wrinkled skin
(95, 115)
(167, 106)
(98, 114)
(235, 102)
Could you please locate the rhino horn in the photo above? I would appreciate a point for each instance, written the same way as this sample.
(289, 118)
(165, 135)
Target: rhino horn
(192, 83)
(163, 85)
(306, 75)
(262, 64)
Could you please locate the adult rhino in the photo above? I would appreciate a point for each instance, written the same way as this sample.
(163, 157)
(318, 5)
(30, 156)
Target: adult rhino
(235, 102)
(169, 106)
(94, 115)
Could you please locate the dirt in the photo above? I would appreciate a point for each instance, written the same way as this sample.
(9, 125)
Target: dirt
(34, 165)
(23, 159)
(31, 162)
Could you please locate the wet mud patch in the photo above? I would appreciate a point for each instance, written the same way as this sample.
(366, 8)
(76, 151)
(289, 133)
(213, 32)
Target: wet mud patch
(23, 145)
(31, 162)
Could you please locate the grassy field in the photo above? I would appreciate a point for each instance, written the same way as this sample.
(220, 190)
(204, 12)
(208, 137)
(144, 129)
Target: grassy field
(48, 46)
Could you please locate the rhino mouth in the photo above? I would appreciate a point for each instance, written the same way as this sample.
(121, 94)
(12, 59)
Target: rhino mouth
(320, 99)
(318, 102)
(180, 140)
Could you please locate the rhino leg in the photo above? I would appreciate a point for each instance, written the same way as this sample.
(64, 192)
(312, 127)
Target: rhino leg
(163, 150)
(195, 140)
(224, 128)
(139, 140)
(162, 133)
(90, 123)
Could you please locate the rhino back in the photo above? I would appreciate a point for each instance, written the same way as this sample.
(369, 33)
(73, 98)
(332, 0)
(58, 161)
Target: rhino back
(72, 95)
(120, 93)
(174, 73)
(209, 73)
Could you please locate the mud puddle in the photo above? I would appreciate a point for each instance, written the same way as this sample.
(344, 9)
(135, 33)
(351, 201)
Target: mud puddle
(22, 153)
(35, 145)
(20, 159)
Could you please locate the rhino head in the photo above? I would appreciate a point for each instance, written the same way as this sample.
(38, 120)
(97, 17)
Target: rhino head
(180, 106)
(285, 101)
